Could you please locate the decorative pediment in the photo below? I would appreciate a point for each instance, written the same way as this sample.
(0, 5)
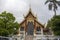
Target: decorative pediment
(30, 18)
(30, 14)
(38, 24)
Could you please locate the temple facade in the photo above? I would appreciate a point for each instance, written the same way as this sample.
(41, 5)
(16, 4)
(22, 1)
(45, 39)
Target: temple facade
(30, 25)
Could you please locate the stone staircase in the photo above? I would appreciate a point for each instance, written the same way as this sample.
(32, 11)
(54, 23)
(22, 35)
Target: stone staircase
(28, 37)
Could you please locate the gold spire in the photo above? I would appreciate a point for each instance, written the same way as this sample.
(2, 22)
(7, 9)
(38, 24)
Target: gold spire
(23, 15)
(36, 17)
(30, 8)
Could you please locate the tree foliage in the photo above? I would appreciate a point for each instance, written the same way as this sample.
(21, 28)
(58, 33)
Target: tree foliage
(53, 4)
(8, 25)
(54, 24)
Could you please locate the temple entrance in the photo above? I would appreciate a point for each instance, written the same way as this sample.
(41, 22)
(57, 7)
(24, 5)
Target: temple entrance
(30, 28)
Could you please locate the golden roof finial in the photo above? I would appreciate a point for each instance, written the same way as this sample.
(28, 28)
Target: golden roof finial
(30, 7)
(36, 17)
(23, 15)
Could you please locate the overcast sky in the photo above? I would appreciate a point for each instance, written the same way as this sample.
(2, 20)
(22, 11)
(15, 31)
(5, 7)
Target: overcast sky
(21, 7)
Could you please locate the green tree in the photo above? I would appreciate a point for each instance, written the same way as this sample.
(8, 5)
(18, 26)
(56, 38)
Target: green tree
(54, 24)
(8, 25)
(53, 4)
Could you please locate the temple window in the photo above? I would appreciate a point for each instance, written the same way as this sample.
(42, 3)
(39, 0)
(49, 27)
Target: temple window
(38, 30)
(22, 29)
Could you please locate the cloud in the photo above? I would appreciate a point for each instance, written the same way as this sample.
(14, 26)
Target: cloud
(20, 7)
(17, 7)
(41, 10)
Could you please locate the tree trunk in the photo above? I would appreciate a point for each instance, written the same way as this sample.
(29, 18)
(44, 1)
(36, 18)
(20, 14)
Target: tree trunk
(54, 12)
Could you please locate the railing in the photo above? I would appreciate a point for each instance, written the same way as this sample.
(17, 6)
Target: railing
(38, 32)
(5, 38)
(45, 37)
(12, 38)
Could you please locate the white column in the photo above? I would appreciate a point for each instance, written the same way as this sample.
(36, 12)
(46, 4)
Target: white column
(58, 38)
(19, 31)
(42, 31)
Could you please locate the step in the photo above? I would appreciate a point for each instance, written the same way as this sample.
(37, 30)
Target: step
(28, 37)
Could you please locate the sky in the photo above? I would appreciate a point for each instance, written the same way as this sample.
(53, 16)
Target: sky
(21, 7)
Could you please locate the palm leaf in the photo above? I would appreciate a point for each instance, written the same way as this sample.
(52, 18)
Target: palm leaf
(51, 0)
(50, 6)
(55, 7)
(58, 2)
(46, 1)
